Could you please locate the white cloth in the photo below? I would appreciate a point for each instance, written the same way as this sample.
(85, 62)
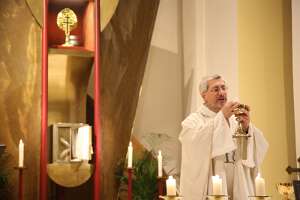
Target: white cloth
(206, 137)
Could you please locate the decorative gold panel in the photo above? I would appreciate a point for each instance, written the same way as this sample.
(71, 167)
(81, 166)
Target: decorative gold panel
(70, 174)
(68, 75)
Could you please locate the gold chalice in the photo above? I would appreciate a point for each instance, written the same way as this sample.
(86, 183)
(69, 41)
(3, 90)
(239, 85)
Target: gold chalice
(240, 110)
(285, 189)
(240, 134)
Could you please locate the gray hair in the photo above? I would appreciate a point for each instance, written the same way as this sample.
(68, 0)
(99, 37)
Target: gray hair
(203, 85)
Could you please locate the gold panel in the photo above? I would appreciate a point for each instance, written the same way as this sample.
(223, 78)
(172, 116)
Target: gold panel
(108, 8)
(67, 83)
(20, 78)
(70, 174)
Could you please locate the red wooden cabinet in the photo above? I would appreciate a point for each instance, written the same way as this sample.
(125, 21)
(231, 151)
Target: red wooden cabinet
(88, 32)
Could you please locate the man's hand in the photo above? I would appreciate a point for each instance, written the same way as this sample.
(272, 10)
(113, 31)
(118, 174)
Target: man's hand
(245, 120)
(228, 109)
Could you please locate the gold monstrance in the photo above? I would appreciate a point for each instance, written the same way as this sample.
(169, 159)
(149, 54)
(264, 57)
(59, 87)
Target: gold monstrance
(240, 134)
(67, 21)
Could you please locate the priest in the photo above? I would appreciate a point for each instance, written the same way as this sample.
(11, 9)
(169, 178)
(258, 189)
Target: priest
(208, 147)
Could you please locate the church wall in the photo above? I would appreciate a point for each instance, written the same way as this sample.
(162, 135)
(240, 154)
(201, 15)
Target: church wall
(265, 74)
(209, 46)
(159, 111)
(20, 90)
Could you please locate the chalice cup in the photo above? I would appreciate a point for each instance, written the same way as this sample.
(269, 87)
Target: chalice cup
(240, 134)
(286, 190)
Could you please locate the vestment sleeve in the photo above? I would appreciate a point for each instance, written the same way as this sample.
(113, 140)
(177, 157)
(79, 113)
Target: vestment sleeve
(215, 131)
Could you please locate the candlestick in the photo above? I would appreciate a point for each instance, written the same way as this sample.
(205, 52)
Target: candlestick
(259, 197)
(21, 154)
(260, 189)
(130, 151)
(171, 197)
(129, 191)
(171, 186)
(218, 197)
(21, 189)
(217, 185)
(161, 186)
(159, 161)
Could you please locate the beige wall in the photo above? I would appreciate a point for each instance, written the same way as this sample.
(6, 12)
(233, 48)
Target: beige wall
(265, 76)
(296, 69)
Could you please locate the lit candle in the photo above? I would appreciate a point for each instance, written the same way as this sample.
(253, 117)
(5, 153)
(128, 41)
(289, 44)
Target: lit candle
(260, 189)
(159, 161)
(171, 186)
(130, 150)
(21, 154)
(217, 185)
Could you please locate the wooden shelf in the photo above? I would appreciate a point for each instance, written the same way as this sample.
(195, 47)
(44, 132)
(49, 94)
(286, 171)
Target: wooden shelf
(71, 51)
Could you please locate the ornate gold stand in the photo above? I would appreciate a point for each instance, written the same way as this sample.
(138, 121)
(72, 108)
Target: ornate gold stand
(286, 190)
(218, 196)
(170, 197)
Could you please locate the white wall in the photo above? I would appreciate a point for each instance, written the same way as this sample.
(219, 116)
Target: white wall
(296, 68)
(166, 30)
(221, 41)
(159, 111)
(209, 46)
(189, 41)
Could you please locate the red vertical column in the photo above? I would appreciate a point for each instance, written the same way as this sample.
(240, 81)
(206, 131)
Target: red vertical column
(161, 181)
(44, 120)
(97, 125)
(21, 189)
(129, 190)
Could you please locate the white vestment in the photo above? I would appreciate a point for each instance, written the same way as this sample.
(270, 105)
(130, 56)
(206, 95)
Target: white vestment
(205, 138)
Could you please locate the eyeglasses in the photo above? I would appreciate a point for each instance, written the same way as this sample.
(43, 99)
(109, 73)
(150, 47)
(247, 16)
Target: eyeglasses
(217, 89)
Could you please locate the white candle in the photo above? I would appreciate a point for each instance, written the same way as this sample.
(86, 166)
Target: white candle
(260, 189)
(21, 154)
(159, 161)
(217, 185)
(130, 150)
(171, 186)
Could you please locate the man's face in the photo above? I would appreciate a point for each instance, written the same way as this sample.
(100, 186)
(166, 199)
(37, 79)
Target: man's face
(216, 95)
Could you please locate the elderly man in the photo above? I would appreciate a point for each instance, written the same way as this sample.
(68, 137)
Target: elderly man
(208, 145)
